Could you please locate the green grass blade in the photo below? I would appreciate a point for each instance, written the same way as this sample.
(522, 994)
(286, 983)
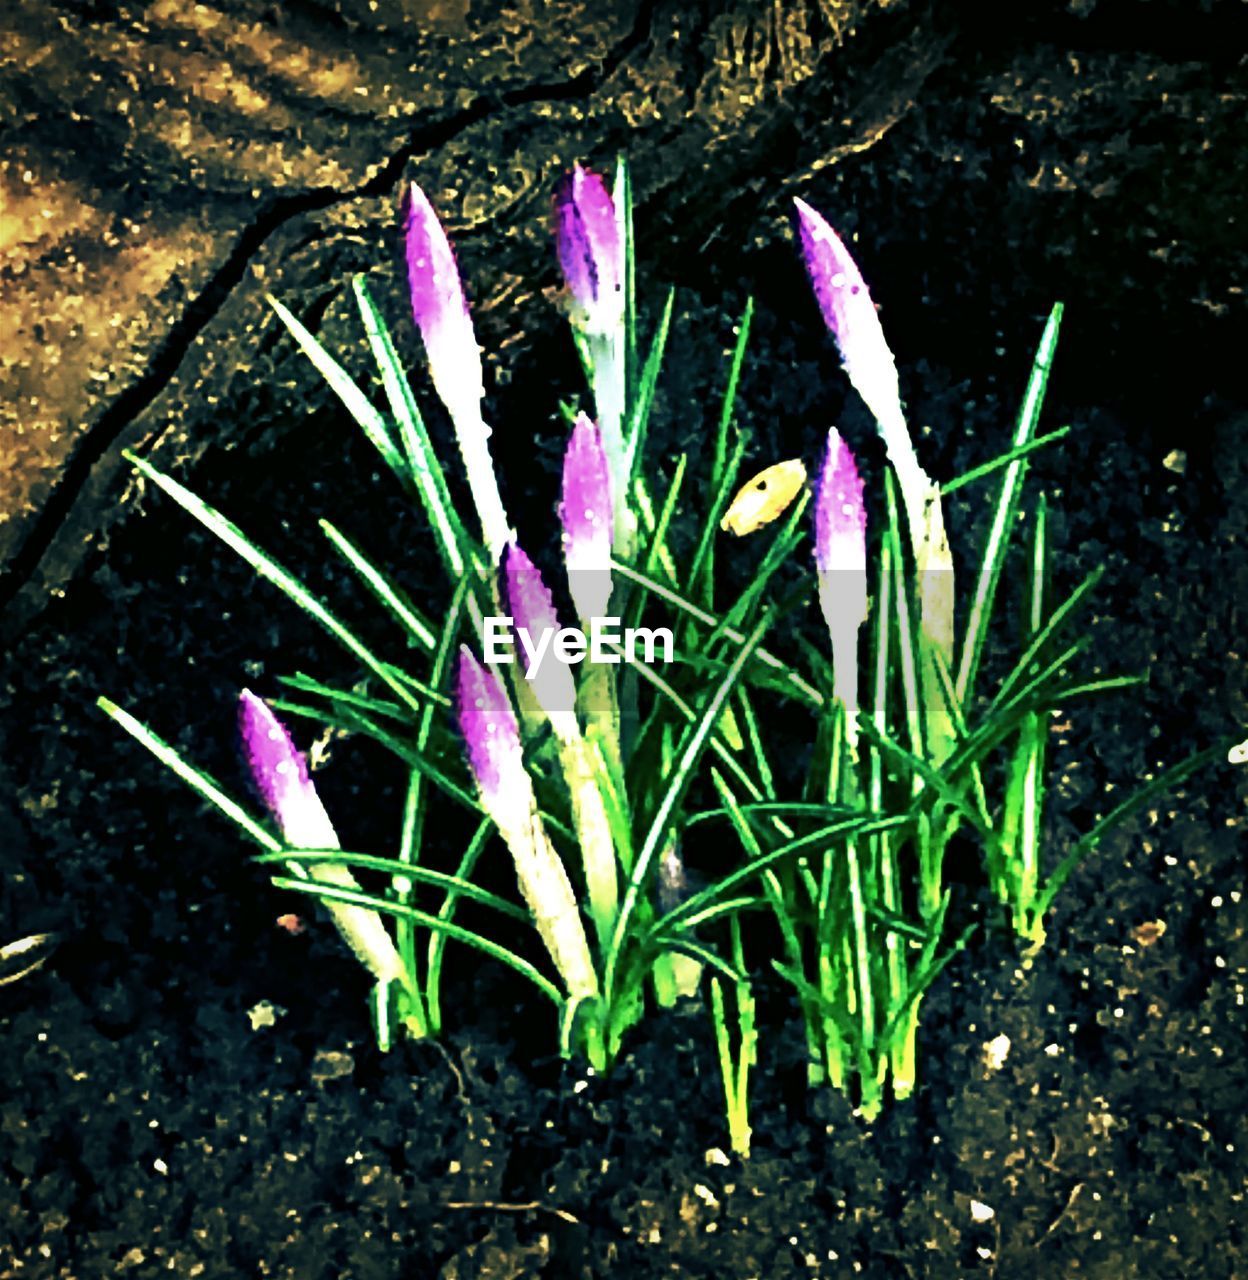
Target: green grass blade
(622, 199)
(813, 840)
(657, 550)
(908, 642)
(678, 601)
(799, 809)
(414, 816)
(438, 939)
(269, 569)
(1056, 621)
(727, 408)
(986, 469)
(704, 955)
(461, 887)
(932, 777)
(717, 744)
(701, 567)
(333, 893)
(639, 416)
(355, 401)
(689, 753)
(1165, 781)
(771, 885)
(334, 694)
(1003, 515)
(195, 778)
(717, 911)
(723, 469)
(422, 462)
(388, 595)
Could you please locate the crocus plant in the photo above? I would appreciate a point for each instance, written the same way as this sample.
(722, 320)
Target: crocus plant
(598, 779)
(445, 327)
(590, 243)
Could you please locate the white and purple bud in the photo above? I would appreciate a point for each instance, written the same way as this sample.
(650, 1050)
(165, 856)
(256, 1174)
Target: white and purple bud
(841, 532)
(841, 560)
(587, 239)
(490, 732)
(441, 315)
(492, 741)
(852, 320)
(537, 625)
(851, 317)
(280, 773)
(586, 515)
(281, 776)
(438, 305)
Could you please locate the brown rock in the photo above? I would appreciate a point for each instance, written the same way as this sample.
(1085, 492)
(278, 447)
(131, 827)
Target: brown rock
(164, 165)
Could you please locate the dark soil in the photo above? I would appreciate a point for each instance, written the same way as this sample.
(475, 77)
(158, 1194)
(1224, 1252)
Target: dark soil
(150, 1127)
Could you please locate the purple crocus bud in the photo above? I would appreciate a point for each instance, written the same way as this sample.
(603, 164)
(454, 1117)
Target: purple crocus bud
(454, 357)
(537, 631)
(851, 317)
(488, 725)
(591, 257)
(585, 513)
(841, 559)
(492, 740)
(281, 776)
(840, 512)
(438, 306)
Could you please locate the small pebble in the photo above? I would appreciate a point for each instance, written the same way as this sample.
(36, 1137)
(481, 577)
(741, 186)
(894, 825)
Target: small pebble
(264, 1014)
(995, 1052)
(331, 1065)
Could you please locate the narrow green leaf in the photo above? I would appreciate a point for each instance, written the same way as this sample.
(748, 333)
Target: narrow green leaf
(195, 778)
(267, 568)
(422, 462)
(1003, 460)
(1165, 781)
(701, 567)
(355, 401)
(438, 939)
(793, 808)
(333, 893)
(658, 539)
(462, 887)
(639, 417)
(1003, 515)
(1056, 621)
(678, 601)
(690, 751)
(390, 597)
(813, 840)
(347, 697)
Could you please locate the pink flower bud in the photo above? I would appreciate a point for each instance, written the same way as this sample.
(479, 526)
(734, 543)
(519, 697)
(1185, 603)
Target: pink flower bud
(439, 308)
(851, 317)
(533, 610)
(587, 240)
(488, 725)
(841, 536)
(281, 776)
(585, 513)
